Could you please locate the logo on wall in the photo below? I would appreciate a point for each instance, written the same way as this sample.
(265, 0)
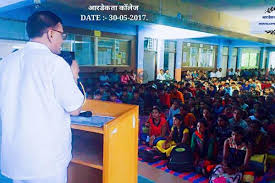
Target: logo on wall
(265, 23)
(270, 10)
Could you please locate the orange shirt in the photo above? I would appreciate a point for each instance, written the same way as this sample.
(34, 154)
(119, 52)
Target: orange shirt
(177, 95)
(189, 120)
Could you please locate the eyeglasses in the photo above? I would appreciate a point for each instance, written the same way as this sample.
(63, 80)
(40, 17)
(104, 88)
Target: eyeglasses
(64, 35)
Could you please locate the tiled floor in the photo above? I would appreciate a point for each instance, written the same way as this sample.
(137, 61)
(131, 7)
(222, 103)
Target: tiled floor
(157, 175)
(154, 174)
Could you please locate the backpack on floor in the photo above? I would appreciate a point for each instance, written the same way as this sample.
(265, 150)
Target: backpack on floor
(257, 164)
(151, 155)
(181, 159)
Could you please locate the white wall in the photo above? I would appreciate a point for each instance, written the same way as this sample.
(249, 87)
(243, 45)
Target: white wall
(271, 60)
(7, 46)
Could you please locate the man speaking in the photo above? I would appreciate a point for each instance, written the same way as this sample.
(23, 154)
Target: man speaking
(38, 92)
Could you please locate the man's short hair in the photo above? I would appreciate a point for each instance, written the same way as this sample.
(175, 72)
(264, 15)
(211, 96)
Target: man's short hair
(40, 21)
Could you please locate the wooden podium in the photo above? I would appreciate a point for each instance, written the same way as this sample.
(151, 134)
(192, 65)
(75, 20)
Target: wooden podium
(108, 154)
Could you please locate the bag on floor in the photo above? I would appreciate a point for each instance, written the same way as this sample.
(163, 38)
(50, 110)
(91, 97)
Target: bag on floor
(151, 155)
(271, 157)
(219, 176)
(257, 164)
(181, 159)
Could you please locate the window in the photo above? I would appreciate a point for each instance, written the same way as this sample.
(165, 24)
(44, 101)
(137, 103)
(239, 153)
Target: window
(169, 56)
(84, 50)
(83, 46)
(98, 51)
(250, 58)
(198, 55)
(113, 52)
(13, 29)
(150, 44)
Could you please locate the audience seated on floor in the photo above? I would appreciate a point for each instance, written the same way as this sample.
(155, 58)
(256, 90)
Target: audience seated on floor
(236, 156)
(228, 122)
(179, 135)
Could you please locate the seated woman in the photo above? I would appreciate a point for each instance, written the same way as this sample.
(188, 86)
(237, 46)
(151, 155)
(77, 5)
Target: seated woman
(222, 132)
(188, 118)
(228, 112)
(208, 118)
(124, 79)
(257, 138)
(201, 145)
(114, 98)
(157, 125)
(174, 109)
(235, 158)
(179, 135)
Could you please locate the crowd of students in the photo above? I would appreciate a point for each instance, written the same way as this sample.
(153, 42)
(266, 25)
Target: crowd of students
(244, 73)
(225, 121)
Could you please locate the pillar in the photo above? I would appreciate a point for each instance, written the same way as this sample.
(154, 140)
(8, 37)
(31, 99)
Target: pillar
(239, 58)
(219, 58)
(160, 55)
(140, 52)
(178, 60)
(262, 58)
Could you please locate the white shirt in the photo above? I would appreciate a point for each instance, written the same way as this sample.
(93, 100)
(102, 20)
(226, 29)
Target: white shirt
(212, 74)
(231, 73)
(37, 93)
(218, 74)
(161, 76)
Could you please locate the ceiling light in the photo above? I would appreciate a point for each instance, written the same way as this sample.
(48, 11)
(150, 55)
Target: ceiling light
(167, 32)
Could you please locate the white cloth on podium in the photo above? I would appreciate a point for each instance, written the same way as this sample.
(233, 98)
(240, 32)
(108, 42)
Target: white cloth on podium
(96, 121)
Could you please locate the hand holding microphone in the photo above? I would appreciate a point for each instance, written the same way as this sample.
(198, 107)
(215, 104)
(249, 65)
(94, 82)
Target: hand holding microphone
(75, 70)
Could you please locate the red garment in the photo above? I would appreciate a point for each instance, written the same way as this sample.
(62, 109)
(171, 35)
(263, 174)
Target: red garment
(193, 91)
(199, 135)
(156, 130)
(271, 130)
(125, 79)
(223, 103)
(229, 116)
(165, 99)
(265, 85)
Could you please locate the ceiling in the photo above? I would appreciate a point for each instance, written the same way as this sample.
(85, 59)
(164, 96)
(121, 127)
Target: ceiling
(8, 2)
